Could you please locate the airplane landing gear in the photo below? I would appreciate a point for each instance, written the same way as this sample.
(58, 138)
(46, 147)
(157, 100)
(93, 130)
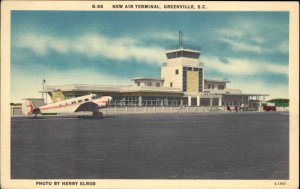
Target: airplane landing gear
(97, 115)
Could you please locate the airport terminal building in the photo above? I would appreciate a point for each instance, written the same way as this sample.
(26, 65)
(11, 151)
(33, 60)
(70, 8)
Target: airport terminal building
(182, 83)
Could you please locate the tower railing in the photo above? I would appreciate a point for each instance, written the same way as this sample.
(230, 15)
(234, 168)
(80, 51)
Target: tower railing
(191, 47)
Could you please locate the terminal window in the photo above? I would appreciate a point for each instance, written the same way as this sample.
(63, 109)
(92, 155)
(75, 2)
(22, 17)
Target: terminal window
(221, 87)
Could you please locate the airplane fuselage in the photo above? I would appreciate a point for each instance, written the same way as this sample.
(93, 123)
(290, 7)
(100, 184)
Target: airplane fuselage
(89, 103)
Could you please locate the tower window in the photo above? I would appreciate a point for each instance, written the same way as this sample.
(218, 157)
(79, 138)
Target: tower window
(176, 72)
(171, 84)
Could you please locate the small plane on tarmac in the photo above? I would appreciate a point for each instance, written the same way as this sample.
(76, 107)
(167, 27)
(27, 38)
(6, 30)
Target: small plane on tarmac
(87, 103)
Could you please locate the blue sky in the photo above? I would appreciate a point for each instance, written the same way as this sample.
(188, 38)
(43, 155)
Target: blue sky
(107, 48)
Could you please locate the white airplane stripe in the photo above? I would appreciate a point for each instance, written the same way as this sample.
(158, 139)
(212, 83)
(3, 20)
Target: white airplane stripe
(62, 106)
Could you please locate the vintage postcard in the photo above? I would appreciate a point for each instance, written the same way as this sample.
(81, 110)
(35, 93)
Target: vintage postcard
(149, 94)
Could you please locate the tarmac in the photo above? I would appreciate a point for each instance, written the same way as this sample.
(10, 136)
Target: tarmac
(237, 145)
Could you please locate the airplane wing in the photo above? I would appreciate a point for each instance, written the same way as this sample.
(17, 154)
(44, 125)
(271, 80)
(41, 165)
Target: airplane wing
(87, 106)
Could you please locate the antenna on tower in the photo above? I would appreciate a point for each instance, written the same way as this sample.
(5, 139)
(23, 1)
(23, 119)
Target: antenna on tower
(180, 38)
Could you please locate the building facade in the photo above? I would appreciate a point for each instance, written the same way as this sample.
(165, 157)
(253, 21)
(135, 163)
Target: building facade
(182, 83)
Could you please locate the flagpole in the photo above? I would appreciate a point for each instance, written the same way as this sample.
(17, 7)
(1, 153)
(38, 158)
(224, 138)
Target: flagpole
(43, 85)
(43, 89)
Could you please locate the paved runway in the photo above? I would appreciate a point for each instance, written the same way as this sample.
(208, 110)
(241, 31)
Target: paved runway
(152, 146)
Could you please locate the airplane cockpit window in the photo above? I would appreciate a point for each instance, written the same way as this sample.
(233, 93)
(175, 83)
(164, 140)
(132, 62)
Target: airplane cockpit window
(95, 96)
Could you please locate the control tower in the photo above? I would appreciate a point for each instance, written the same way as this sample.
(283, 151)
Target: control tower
(183, 69)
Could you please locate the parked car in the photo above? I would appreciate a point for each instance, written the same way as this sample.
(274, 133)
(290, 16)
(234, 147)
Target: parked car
(233, 108)
(269, 107)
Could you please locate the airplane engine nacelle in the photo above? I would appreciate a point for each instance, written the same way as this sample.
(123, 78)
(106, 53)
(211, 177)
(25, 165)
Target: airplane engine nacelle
(27, 107)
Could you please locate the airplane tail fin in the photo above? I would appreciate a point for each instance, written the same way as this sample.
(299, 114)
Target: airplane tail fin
(28, 107)
(57, 96)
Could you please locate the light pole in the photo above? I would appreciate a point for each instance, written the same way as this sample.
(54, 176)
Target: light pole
(43, 86)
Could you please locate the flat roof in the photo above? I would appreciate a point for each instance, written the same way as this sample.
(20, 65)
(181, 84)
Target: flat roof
(215, 80)
(147, 78)
(241, 94)
(32, 99)
(131, 89)
(190, 48)
(103, 88)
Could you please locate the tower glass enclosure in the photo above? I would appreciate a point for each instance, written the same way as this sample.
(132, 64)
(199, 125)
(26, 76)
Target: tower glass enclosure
(183, 69)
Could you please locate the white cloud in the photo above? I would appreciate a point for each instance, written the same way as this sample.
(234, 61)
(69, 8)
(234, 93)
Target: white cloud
(38, 45)
(283, 47)
(237, 66)
(243, 37)
(239, 34)
(162, 35)
(259, 87)
(90, 77)
(24, 85)
(230, 32)
(93, 45)
(236, 69)
(258, 39)
(242, 46)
